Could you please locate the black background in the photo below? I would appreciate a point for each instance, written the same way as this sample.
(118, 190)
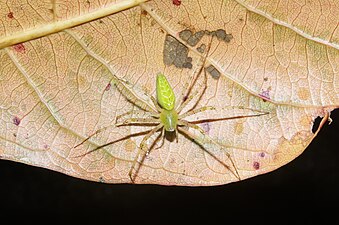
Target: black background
(305, 190)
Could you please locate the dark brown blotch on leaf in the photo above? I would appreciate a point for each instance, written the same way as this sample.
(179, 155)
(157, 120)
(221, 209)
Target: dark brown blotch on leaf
(213, 72)
(175, 53)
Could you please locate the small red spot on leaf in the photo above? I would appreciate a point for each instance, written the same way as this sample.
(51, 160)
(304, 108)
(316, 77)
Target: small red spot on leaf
(256, 165)
(176, 2)
(19, 48)
(16, 120)
(108, 87)
(206, 126)
(265, 95)
(10, 15)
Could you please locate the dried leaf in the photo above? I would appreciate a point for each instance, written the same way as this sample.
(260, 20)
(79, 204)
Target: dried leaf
(59, 62)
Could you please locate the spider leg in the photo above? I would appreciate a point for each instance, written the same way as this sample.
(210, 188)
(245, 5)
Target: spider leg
(127, 91)
(185, 103)
(143, 148)
(202, 91)
(256, 113)
(155, 103)
(194, 111)
(95, 133)
(201, 143)
(135, 112)
(115, 141)
(162, 139)
(138, 121)
(194, 80)
(128, 121)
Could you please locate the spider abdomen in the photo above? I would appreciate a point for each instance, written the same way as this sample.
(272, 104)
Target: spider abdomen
(165, 94)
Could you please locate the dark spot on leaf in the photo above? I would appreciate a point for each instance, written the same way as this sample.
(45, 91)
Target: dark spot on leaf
(175, 53)
(16, 120)
(316, 124)
(185, 35)
(45, 146)
(213, 72)
(144, 12)
(10, 15)
(195, 38)
(187, 65)
(201, 48)
(19, 48)
(222, 35)
(256, 165)
(265, 78)
(108, 87)
(176, 2)
(206, 127)
(262, 154)
(191, 38)
(265, 95)
(101, 180)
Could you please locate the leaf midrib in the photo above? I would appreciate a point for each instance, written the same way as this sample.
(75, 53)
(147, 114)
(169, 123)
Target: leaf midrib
(58, 26)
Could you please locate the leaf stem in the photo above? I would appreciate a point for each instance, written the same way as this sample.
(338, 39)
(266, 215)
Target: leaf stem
(55, 27)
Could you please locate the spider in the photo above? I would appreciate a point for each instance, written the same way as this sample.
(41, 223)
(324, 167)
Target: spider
(166, 116)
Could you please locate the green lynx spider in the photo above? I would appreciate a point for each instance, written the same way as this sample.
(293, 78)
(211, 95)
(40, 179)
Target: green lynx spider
(167, 118)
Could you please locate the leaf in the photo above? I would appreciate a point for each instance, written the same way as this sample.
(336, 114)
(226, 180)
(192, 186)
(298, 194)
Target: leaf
(57, 87)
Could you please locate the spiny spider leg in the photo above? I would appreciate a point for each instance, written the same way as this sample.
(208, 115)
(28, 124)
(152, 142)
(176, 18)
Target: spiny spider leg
(228, 118)
(201, 144)
(202, 91)
(95, 133)
(205, 108)
(132, 97)
(195, 78)
(115, 141)
(194, 111)
(190, 97)
(143, 148)
(162, 139)
(138, 121)
(122, 123)
(185, 103)
(138, 112)
(155, 103)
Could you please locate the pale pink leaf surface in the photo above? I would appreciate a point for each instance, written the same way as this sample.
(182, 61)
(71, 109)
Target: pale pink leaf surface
(57, 87)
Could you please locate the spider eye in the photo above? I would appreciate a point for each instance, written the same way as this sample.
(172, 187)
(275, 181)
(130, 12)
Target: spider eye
(165, 94)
